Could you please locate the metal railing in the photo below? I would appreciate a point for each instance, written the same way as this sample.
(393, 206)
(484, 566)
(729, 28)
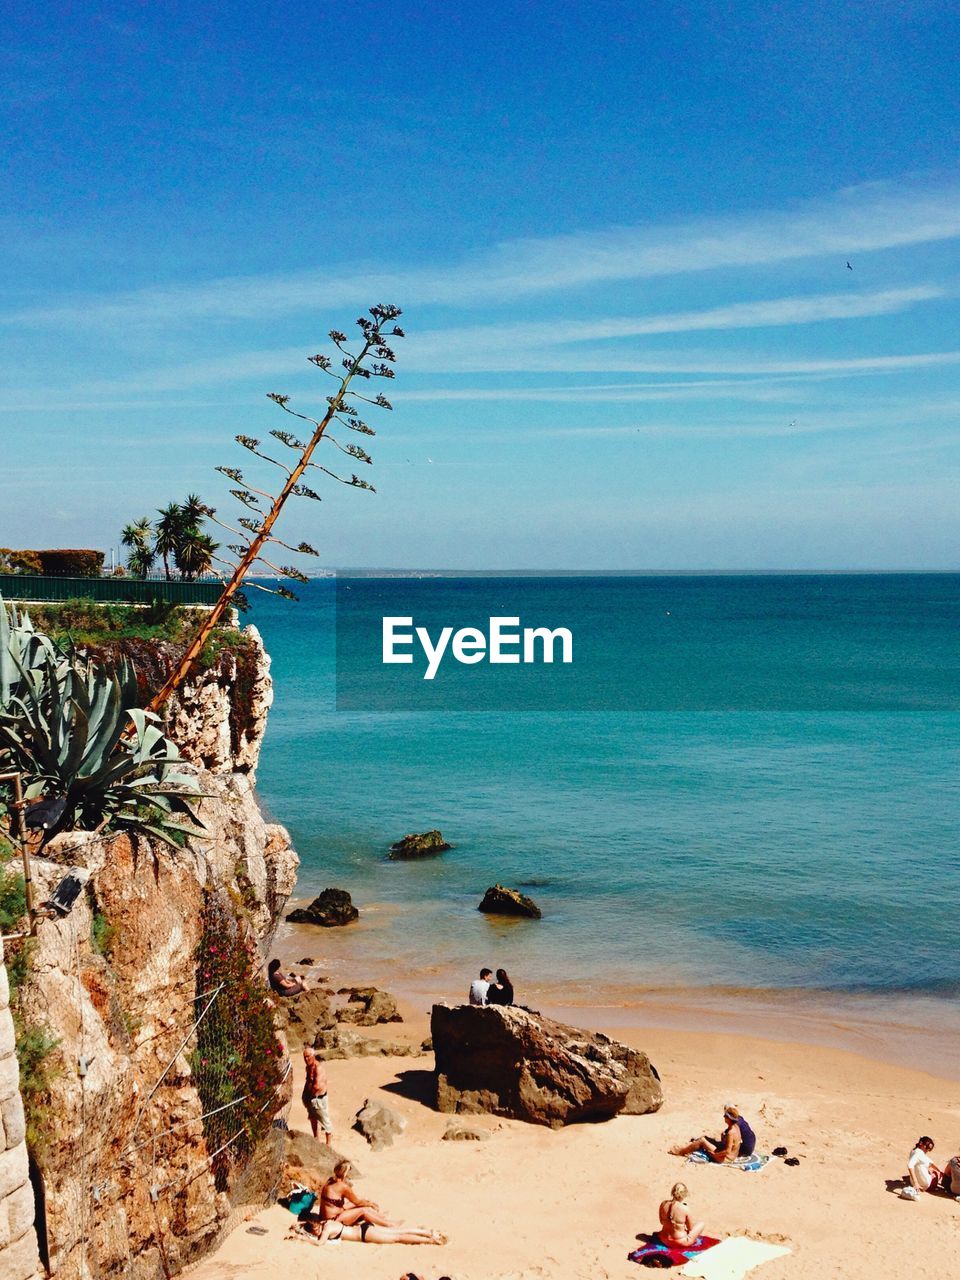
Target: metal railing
(47, 587)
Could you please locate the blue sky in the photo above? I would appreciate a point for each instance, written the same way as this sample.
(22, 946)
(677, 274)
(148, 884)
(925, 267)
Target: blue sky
(619, 234)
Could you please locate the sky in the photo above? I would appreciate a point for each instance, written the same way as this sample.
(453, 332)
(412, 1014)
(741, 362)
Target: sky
(681, 283)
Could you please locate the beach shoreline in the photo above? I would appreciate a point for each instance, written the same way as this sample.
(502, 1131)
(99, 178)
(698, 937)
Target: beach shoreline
(880, 1028)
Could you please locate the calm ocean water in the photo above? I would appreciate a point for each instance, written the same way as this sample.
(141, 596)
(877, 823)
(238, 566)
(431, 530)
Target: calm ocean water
(808, 848)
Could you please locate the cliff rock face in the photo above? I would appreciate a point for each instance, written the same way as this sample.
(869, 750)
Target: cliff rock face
(130, 1185)
(517, 1063)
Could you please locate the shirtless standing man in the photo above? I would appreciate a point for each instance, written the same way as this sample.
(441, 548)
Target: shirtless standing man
(315, 1094)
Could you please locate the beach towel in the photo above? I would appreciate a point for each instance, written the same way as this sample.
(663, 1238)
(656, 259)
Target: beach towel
(732, 1259)
(654, 1253)
(749, 1164)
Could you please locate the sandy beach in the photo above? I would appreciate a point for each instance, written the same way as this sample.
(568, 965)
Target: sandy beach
(531, 1203)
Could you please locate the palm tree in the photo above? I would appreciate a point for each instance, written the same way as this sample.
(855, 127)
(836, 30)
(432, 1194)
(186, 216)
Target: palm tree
(168, 533)
(195, 553)
(137, 536)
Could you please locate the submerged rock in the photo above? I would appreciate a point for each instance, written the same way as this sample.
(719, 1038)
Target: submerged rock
(424, 845)
(329, 909)
(517, 1063)
(501, 901)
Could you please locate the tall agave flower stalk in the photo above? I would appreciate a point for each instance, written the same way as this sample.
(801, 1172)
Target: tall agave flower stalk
(373, 359)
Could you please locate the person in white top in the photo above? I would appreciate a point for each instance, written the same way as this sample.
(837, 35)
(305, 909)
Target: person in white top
(922, 1172)
(480, 986)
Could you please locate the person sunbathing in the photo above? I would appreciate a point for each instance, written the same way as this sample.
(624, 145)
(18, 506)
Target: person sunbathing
(340, 1203)
(677, 1227)
(738, 1139)
(368, 1233)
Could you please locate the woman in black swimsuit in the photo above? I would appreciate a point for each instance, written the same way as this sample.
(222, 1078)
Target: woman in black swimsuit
(367, 1233)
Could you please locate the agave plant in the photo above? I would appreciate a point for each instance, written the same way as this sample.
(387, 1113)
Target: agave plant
(65, 723)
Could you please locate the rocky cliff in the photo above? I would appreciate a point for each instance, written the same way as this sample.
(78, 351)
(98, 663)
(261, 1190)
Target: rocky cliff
(132, 1175)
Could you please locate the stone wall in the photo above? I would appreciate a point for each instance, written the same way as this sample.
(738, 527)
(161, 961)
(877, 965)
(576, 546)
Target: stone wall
(128, 1185)
(18, 1241)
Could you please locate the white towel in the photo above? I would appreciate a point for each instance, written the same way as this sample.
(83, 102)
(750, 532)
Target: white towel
(731, 1259)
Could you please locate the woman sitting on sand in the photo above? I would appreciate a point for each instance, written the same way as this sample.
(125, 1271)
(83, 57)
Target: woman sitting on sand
(501, 991)
(738, 1140)
(677, 1227)
(340, 1203)
(367, 1233)
(922, 1172)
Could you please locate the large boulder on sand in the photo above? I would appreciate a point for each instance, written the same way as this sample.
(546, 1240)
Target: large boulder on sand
(307, 1014)
(425, 845)
(517, 1063)
(330, 908)
(501, 901)
(378, 1124)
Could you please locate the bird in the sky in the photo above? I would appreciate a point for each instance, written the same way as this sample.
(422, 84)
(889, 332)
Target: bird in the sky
(849, 268)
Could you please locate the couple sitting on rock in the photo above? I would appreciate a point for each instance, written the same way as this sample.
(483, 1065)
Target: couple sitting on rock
(484, 990)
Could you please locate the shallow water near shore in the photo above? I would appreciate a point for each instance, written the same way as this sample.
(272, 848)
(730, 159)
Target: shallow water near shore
(803, 858)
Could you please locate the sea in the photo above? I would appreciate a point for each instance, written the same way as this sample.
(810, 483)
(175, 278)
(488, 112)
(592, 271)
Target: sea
(738, 802)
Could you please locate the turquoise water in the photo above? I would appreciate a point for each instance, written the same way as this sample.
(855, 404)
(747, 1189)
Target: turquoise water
(810, 847)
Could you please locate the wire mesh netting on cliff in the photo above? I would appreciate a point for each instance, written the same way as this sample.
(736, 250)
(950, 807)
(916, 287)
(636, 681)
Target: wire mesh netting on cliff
(212, 1092)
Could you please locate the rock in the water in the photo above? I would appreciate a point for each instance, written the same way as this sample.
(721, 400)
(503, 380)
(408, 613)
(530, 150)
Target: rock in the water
(513, 1062)
(332, 907)
(461, 1133)
(424, 845)
(501, 901)
(368, 1006)
(378, 1124)
(306, 960)
(307, 1014)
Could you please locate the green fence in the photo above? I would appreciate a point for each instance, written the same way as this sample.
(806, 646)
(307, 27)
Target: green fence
(22, 586)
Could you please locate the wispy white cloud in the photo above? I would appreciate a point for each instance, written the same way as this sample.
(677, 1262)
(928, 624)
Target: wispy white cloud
(437, 344)
(858, 221)
(277, 365)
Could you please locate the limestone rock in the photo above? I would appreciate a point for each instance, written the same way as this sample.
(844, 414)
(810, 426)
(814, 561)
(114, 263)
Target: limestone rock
(130, 1019)
(309, 1161)
(367, 1006)
(462, 1133)
(501, 901)
(344, 1043)
(378, 1124)
(329, 909)
(517, 1063)
(426, 844)
(307, 1014)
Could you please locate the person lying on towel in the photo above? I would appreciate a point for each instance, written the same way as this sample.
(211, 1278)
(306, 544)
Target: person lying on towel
(738, 1139)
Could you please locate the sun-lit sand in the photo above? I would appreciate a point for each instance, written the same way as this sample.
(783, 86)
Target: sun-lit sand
(530, 1203)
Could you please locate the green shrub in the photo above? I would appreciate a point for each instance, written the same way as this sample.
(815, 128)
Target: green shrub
(19, 561)
(35, 1048)
(102, 933)
(71, 562)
